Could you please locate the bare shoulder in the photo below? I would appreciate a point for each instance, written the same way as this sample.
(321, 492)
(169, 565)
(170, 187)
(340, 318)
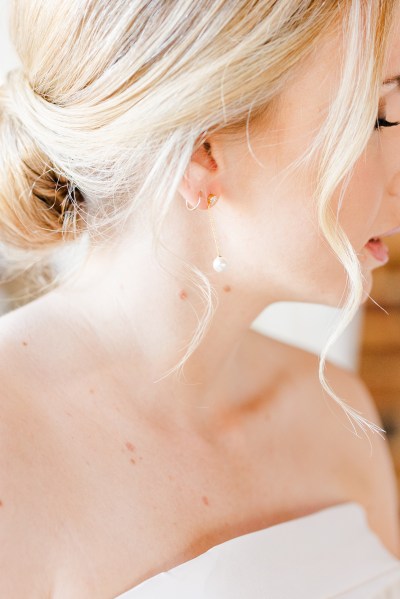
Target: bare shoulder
(373, 460)
(23, 524)
(24, 510)
(364, 460)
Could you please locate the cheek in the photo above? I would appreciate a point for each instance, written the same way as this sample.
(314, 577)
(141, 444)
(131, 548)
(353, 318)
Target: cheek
(362, 200)
(304, 265)
(278, 221)
(285, 221)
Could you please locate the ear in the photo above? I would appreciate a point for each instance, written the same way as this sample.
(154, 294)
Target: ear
(199, 177)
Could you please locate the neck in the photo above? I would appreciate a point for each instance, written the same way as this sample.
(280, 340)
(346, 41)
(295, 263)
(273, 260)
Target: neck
(143, 319)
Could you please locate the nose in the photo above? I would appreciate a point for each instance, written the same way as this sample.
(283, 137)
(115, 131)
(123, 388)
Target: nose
(387, 173)
(387, 222)
(394, 205)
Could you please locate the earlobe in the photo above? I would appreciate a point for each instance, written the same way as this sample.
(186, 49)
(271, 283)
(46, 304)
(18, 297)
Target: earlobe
(198, 178)
(190, 189)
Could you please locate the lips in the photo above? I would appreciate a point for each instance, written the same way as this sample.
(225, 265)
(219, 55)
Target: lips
(378, 249)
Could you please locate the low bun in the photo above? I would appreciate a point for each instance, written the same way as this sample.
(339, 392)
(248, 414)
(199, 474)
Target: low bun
(39, 206)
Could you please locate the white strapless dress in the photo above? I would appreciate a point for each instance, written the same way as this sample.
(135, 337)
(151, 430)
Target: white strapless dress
(330, 553)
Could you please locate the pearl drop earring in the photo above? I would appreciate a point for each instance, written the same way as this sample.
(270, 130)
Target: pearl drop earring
(219, 263)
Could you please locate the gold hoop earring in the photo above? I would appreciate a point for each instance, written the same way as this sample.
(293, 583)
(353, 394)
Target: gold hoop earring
(219, 263)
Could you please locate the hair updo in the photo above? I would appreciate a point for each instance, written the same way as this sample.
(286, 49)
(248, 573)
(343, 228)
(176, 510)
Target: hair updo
(40, 208)
(47, 209)
(112, 98)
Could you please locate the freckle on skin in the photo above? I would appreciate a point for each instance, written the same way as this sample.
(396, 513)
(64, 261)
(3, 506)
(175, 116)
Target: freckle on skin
(133, 461)
(205, 500)
(130, 446)
(91, 391)
(1, 503)
(24, 343)
(227, 288)
(183, 294)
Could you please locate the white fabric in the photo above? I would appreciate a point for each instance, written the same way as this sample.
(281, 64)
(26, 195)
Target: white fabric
(330, 553)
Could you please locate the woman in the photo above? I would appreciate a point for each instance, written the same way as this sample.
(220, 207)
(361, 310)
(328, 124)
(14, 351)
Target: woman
(216, 157)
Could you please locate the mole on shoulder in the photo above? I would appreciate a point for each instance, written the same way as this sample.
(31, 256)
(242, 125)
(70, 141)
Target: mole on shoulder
(25, 343)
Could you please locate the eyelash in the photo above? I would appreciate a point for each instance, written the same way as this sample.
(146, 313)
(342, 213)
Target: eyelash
(380, 122)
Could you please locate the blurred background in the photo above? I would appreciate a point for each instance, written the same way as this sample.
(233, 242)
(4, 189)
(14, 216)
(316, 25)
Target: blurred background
(379, 346)
(369, 346)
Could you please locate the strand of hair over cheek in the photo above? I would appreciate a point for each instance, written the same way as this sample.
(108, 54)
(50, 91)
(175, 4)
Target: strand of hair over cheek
(341, 143)
(334, 151)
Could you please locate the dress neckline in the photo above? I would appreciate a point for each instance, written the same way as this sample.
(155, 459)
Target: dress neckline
(336, 508)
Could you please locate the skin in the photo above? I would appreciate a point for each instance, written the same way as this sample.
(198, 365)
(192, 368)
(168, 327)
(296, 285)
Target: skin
(266, 228)
(98, 427)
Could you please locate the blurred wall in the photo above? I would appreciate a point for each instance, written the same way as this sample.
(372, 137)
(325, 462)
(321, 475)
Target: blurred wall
(309, 326)
(380, 347)
(304, 325)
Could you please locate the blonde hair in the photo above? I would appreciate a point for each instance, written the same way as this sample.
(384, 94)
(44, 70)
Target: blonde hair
(112, 98)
